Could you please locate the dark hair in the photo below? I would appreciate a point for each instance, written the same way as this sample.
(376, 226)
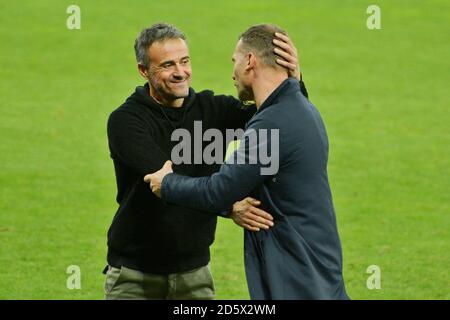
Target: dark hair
(156, 32)
(258, 39)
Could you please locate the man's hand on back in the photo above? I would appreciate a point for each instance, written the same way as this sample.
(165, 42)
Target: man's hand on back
(246, 214)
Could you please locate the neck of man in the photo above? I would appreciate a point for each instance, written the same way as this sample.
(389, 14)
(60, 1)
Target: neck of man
(266, 81)
(175, 103)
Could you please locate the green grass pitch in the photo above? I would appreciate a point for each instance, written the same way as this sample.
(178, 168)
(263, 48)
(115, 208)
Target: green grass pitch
(382, 93)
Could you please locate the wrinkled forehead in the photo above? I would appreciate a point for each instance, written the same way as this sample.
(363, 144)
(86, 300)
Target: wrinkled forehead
(168, 50)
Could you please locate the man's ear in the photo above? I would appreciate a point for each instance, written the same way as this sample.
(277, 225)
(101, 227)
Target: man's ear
(143, 71)
(251, 61)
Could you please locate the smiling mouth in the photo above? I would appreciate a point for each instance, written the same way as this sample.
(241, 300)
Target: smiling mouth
(178, 82)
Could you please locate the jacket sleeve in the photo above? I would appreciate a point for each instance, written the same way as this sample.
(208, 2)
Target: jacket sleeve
(131, 143)
(237, 177)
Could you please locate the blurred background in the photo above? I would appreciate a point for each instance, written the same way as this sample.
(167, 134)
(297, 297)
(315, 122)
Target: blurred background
(383, 95)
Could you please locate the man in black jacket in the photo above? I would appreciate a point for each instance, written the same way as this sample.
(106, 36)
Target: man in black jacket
(158, 250)
(300, 256)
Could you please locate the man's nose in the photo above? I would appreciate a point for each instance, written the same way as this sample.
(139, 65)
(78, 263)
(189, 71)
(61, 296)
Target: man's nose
(179, 71)
(177, 75)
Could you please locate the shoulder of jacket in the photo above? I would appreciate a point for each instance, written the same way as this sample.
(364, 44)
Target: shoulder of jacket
(126, 111)
(205, 95)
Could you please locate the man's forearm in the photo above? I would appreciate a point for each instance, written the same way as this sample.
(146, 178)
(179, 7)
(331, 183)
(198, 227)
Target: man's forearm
(198, 193)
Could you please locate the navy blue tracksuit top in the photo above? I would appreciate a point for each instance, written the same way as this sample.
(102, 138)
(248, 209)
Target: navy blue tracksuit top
(300, 257)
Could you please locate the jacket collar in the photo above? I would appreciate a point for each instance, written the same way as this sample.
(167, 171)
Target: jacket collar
(288, 86)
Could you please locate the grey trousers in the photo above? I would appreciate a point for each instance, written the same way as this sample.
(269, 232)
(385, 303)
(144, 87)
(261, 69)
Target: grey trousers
(125, 284)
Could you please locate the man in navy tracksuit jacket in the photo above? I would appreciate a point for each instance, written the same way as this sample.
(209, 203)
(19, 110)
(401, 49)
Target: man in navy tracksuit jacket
(300, 256)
